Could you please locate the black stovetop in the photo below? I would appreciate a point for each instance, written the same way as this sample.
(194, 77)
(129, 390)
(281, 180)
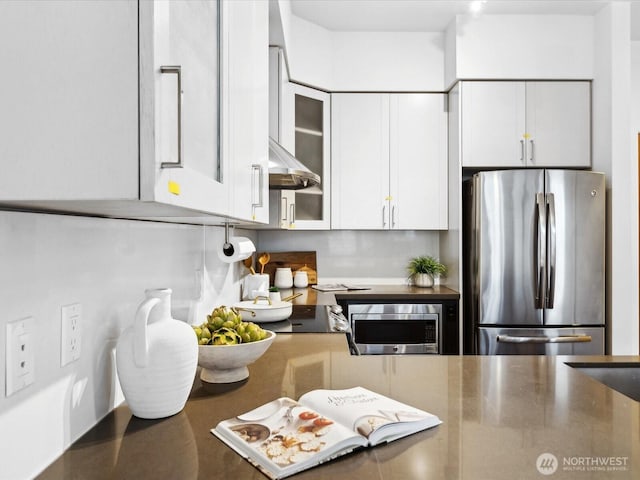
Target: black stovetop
(304, 319)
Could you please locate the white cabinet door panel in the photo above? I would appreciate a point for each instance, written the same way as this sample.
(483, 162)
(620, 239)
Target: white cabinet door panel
(247, 117)
(69, 100)
(360, 161)
(418, 182)
(558, 124)
(179, 157)
(493, 122)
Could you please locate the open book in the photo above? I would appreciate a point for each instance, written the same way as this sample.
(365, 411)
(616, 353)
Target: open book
(284, 437)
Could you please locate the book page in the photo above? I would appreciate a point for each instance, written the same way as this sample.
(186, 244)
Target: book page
(285, 437)
(374, 416)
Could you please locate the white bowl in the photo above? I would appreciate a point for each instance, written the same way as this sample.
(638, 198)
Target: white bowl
(228, 363)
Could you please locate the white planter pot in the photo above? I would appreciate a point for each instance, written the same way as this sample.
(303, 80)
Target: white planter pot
(423, 280)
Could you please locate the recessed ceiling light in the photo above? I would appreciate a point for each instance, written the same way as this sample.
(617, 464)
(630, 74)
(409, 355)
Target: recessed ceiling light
(477, 5)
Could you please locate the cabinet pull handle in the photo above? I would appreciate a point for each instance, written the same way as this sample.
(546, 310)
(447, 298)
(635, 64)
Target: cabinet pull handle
(292, 217)
(256, 168)
(384, 215)
(177, 70)
(393, 217)
(531, 158)
(580, 338)
(521, 150)
(540, 249)
(283, 210)
(551, 254)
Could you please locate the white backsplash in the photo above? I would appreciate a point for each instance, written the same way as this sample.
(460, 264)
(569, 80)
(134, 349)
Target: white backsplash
(361, 256)
(105, 265)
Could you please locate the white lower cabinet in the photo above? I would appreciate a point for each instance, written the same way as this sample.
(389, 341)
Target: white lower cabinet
(118, 108)
(389, 161)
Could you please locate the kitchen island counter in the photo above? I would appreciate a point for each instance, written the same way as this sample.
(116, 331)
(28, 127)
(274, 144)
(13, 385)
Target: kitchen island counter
(499, 415)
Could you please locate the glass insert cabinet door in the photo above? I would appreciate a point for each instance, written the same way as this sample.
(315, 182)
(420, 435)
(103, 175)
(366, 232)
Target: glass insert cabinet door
(312, 146)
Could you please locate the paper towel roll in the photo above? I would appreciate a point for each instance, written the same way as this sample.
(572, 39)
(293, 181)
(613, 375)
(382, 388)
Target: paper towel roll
(237, 249)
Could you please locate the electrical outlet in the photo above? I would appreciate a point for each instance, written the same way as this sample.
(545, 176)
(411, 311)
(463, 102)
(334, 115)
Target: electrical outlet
(19, 365)
(71, 333)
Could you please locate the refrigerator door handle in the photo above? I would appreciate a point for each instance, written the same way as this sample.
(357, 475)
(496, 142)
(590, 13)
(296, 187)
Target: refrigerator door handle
(535, 339)
(551, 280)
(539, 245)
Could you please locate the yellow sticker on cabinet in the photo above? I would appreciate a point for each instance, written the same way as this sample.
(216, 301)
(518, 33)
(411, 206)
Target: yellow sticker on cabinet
(388, 198)
(174, 187)
(526, 136)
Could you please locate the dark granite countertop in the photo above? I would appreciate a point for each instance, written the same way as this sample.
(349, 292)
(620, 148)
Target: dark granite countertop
(499, 415)
(311, 296)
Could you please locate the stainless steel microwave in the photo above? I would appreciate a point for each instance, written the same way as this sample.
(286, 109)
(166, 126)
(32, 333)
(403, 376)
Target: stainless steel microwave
(398, 328)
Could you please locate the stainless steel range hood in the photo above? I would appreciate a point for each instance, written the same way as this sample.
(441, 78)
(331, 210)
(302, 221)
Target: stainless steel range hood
(286, 172)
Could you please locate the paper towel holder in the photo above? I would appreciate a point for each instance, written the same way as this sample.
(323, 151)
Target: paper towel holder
(228, 249)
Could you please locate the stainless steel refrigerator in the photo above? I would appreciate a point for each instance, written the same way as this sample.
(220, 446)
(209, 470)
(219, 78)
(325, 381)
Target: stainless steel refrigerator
(534, 263)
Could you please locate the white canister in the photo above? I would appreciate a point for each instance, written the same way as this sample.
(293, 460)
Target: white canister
(255, 285)
(301, 279)
(283, 278)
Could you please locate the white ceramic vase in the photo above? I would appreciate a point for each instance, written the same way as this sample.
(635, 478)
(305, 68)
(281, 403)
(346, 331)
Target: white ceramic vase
(423, 280)
(156, 359)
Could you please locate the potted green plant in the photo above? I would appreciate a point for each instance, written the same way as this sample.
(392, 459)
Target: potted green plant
(274, 294)
(424, 269)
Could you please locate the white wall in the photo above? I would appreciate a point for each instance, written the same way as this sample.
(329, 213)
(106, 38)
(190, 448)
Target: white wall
(309, 53)
(355, 255)
(523, 47)
(451, 239)
(384, 61)
(53, 260)
(450, 54)
(362, 61)
(613, 154)
(635, 92)
(472, 47)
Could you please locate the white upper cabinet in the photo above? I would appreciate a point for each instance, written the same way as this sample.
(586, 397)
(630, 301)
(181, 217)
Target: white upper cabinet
(493, 122)
(247, 112)
(389, 160)
(69, 116)
(526, 124)
(181, 122)
(299, 119)
(418, 161)
(310, 111)
(119, 109)
(559, 124)
(360, 161)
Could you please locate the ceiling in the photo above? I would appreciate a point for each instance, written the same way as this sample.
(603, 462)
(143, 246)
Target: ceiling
(433, 15)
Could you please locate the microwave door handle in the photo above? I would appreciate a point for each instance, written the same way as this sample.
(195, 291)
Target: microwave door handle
(535, 339)
(539, 246)
(551, 274)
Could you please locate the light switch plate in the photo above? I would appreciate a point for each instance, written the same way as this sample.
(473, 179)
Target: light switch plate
(20, 359)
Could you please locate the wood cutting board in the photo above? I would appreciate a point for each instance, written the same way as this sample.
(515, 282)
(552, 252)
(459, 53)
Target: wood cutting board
(294, 260)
